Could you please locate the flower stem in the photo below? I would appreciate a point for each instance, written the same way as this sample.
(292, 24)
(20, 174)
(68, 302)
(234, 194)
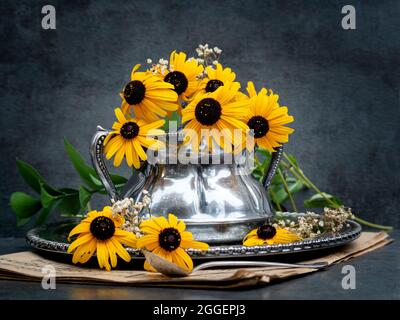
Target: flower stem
(373, 225)
(273, 195)
(334, 205)
(69, 215)
(286, 187)
(308, 181)
(294, 172)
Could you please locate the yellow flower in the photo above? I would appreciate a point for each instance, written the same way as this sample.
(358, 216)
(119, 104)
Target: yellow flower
(168, 239)
(148, 96)
(216, 78)
(100, 233)
(128, 138)
(267, 119)
(251, 90)
(183, 75)
(214, 115)
(268, 234)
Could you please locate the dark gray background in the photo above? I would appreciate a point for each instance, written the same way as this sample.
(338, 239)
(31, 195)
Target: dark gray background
(341, 86)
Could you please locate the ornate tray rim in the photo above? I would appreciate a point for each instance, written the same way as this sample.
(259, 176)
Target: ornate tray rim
(350, 233)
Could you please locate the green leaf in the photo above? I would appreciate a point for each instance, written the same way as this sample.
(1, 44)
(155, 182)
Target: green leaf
(280, 192)
(95, 179)
(44, 213)
(264, 153)
(174, 117)
(30, 175)
(67, 191)
(84, 197)
(278, 180)
(80, 166)
(116, 179)
(293, 160)
(318, 201)
(69, 204)
(258, 173)
(49, 195)
(23, 221)
(24, 205)
(87, 173)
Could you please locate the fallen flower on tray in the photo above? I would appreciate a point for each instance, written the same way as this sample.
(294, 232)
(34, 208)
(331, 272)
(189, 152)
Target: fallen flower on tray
(100, 232)
(168, 239)
(267, 235)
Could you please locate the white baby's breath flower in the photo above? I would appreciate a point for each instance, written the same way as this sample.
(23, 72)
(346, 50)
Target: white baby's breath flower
(130, 211)
(149, 61)
(217, 50)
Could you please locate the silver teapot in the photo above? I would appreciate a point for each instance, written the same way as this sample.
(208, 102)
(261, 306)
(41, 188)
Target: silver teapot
(219, 200)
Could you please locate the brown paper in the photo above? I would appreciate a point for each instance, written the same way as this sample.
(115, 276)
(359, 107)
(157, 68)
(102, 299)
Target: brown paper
(28, 266)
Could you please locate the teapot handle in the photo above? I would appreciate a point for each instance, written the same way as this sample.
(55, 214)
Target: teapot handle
(134, 184)
(273, 166)
(97, 155)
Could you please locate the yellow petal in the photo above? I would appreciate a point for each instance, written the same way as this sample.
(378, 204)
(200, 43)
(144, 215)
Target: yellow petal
(252, 233)
(182, 259)
(153, 125)
(80, 228)
(113, 146)
(173, 220)
(150, 242)
(79, 241)
(129, 153)
(253, 242)
(236, 123)
(181, 226)
(139, 150)
(90, 250)
(111, 252)
(137, 66)
(148, 267)
(188, 242)
(120, 250)
(119, 115)
(153, 107)
(152, 225)
(161, 222)
(103, 255)
(285, 236)
(119, 156)
(79, 252)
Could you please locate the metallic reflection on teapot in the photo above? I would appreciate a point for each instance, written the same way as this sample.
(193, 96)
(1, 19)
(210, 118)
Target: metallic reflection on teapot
(219, 202)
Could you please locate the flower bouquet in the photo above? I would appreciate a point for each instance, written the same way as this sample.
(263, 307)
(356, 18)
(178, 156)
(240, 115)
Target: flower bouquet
(201, 99)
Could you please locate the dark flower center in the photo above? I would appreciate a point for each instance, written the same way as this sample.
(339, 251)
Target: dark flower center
(129, 130)
(213, 85)
(134, 92)
(169, 239)
(102, 228)
(208, 111)
(266, 232)
(179, 80)
(259, 125)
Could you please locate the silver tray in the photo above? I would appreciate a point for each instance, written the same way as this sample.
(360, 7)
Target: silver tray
(53, 238)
